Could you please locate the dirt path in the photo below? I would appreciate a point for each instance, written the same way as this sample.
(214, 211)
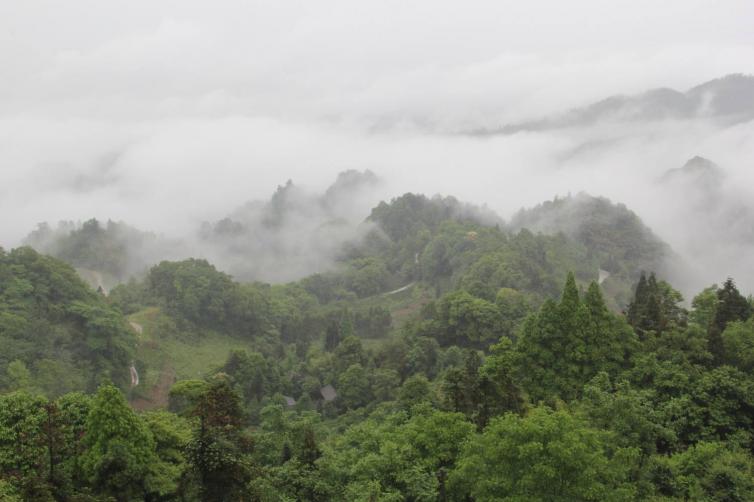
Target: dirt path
(404, 288)
(158, 395)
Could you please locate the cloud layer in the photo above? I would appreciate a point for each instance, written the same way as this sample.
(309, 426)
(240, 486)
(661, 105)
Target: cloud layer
(168, 113)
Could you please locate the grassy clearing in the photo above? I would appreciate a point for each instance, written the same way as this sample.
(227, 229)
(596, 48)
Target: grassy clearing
(195, 358)
(163, 351)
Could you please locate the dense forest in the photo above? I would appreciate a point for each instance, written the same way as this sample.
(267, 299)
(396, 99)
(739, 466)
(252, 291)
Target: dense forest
(447, 355)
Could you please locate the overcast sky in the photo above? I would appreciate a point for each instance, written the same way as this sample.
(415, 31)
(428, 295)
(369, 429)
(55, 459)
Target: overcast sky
(161, 113)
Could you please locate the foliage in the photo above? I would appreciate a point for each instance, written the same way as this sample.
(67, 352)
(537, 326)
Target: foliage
(485, 378)
(119, 447)
(57, 334)
(545, 455)
(566, 344)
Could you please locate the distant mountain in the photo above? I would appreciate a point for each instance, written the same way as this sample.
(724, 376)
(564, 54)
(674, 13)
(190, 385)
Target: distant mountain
(729, 99)
(700, 176)
(697, 170)
(709, 218)
(718, 209)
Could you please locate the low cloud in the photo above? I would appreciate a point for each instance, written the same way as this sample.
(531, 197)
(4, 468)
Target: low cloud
(170, 114)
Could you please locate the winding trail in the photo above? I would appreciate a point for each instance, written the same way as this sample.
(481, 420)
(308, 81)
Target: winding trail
(404, 288)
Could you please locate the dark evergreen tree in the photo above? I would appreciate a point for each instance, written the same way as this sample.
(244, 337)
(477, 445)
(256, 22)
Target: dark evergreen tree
(655, 306)
(219, 451)
(566, 344)
(637, 307)
(731, 306)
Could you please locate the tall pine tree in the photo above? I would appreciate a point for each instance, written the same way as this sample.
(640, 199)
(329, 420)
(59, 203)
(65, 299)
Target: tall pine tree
(731, 306)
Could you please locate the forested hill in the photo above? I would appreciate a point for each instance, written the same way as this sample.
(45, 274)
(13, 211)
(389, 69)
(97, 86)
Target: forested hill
(57, 334)
(446, 244)
(445, 356)
(438, 240)
(612, 234)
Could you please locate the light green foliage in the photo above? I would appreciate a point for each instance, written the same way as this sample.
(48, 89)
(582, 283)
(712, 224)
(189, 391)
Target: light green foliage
(354, 390)
(461, 319)
(349, 352)
(22, 447)
(286, 435)
(120, 448)
(62, 332)
(544, 456)
(73, 409)
(738, 341)
(185, 394)
(422, 356)
(397, 458)
(704, 306)
(171, 436)
(9, 493)
(628, 413)
(705, 472)
(415, 390)
(719, 406)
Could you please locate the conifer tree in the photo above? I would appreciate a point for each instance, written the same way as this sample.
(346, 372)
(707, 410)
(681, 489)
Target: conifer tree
(654, 306)
(731, 306)
(564, 345)
(638, 304)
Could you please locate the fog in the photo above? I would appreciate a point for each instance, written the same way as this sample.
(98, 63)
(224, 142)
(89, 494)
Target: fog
(166, 114)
